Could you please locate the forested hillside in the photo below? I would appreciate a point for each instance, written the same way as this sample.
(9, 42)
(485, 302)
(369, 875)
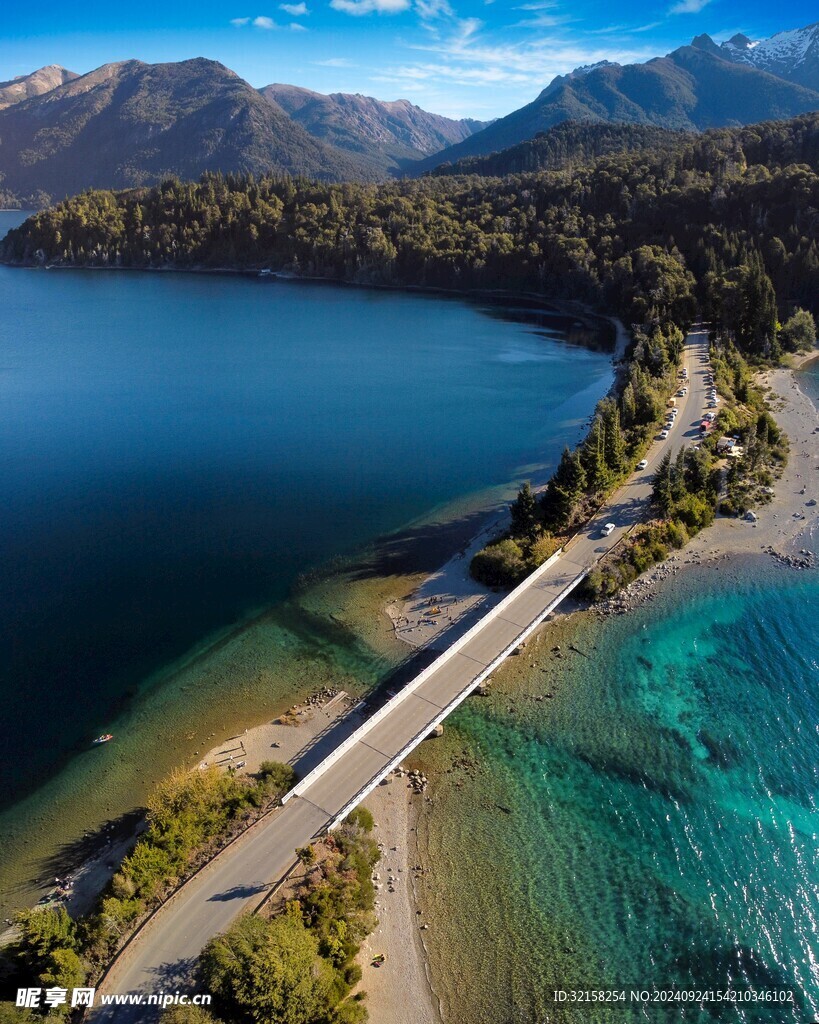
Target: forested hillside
(564, 145)
(630, 232)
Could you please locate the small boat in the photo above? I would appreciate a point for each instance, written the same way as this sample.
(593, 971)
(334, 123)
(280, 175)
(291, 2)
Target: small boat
(106, 736)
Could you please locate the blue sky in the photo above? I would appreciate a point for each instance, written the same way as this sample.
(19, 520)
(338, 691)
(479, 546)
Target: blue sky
(479, 58)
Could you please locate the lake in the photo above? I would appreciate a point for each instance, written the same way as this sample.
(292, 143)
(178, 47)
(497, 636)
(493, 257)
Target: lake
(178, 450)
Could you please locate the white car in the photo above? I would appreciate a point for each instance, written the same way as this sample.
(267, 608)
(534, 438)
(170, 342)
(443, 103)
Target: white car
(663, 435)
(608, 530)
(642, 463)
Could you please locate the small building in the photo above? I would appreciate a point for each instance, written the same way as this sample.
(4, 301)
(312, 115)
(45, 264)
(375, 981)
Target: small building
(725, 444)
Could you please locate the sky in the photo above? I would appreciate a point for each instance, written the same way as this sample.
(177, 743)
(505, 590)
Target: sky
(462, 58)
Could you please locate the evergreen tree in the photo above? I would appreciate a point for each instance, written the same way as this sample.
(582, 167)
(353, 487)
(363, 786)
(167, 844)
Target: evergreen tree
(525, 520)
(593, 455)
(697, 471)
(758, 323)
(615, 441)
(678, 476)
(663, 494)
(564, 491)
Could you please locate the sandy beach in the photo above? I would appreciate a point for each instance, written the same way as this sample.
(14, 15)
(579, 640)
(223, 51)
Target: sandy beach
(400, 990)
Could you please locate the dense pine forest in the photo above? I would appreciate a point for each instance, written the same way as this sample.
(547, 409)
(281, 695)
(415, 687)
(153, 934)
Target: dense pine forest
(646, 233)
(565, 145)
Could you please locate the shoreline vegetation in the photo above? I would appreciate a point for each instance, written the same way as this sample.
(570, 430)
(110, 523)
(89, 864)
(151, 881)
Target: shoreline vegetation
(190, 817)
(688, 491)
(304, 938)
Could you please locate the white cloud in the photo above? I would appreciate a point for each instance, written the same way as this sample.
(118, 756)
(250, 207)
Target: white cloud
(335, 62)
(295, 26)
(360, 7)
(295, 10)
(429, 10)
(466, 56)
(543, 20)
(260, 21)
(688, 6)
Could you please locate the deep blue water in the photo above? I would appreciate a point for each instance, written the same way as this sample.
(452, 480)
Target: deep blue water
(177, 449)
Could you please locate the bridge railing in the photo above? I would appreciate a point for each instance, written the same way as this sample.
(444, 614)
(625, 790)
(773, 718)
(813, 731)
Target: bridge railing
(458, 699)
(422, 676)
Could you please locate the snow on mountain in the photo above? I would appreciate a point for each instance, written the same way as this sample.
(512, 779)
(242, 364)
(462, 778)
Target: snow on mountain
(793, 54)
(586, 69)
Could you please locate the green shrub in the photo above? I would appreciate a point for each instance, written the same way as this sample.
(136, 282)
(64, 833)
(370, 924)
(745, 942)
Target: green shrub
(361, 818)
(268, 971)
(501, 564)
(278, 778)
(542, 549)
(187, 1015)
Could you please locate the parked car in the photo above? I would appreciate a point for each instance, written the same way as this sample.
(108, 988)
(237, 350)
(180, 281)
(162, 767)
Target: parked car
(663, 435)
(608, 530)
(642, 463)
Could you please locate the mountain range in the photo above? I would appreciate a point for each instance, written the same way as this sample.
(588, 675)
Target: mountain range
(693, 88)
(40, 81)
(129, 123)
(791, 55)
(388, 136)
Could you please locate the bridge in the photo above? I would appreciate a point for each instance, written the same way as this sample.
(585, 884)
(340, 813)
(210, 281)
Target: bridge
(160, 956)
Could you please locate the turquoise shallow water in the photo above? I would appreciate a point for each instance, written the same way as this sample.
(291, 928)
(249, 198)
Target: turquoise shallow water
(652, 824)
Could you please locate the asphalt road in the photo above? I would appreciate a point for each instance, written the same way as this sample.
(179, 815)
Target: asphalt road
(159, 959)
